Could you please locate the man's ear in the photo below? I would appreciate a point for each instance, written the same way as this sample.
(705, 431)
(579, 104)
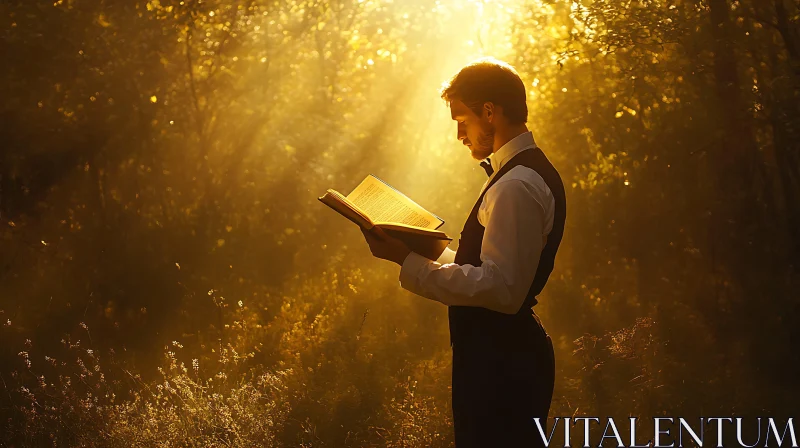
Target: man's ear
(488, 108)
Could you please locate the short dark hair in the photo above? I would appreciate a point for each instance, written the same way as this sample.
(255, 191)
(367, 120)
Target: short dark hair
(489, 80)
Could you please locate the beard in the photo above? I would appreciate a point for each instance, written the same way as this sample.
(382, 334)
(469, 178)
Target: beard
(482, 148)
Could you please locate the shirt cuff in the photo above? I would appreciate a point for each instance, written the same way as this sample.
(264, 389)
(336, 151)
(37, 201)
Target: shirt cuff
(448, 256)
(410, 269)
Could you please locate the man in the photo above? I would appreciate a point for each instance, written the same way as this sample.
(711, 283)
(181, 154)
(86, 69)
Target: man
(503, 361)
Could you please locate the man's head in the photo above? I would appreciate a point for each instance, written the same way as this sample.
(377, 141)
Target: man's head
(487, 99)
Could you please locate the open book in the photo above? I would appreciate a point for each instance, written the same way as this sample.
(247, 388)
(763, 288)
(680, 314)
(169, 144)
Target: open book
(374, 203)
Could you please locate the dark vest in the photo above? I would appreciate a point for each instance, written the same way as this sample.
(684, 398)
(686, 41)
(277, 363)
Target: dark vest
(491, 328)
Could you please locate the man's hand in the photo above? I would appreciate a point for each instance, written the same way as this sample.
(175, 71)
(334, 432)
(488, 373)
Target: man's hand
(386, 247)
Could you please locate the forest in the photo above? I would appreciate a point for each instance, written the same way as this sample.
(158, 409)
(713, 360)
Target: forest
(169, 278)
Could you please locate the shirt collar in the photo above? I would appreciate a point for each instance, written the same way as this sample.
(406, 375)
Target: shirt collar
(510, 149)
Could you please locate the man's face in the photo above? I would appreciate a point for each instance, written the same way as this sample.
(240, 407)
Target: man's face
(474, 131)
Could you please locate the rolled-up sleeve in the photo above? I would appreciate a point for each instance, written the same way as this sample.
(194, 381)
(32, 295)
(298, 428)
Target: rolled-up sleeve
(513, 218)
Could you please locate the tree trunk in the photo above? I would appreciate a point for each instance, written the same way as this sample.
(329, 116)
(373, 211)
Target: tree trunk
(739, 146)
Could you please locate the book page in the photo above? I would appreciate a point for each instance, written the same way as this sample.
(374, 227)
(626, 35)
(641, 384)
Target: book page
(382, 203)
(339, 202)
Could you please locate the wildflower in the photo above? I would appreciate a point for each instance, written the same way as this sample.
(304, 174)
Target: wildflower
(24, 356)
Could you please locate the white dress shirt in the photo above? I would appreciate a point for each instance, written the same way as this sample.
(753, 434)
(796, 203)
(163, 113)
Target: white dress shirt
(517, 213)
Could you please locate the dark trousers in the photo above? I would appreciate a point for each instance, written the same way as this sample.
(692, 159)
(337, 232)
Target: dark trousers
(500, 386)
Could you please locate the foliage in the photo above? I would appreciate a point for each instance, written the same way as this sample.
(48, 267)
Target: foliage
(160, 167)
